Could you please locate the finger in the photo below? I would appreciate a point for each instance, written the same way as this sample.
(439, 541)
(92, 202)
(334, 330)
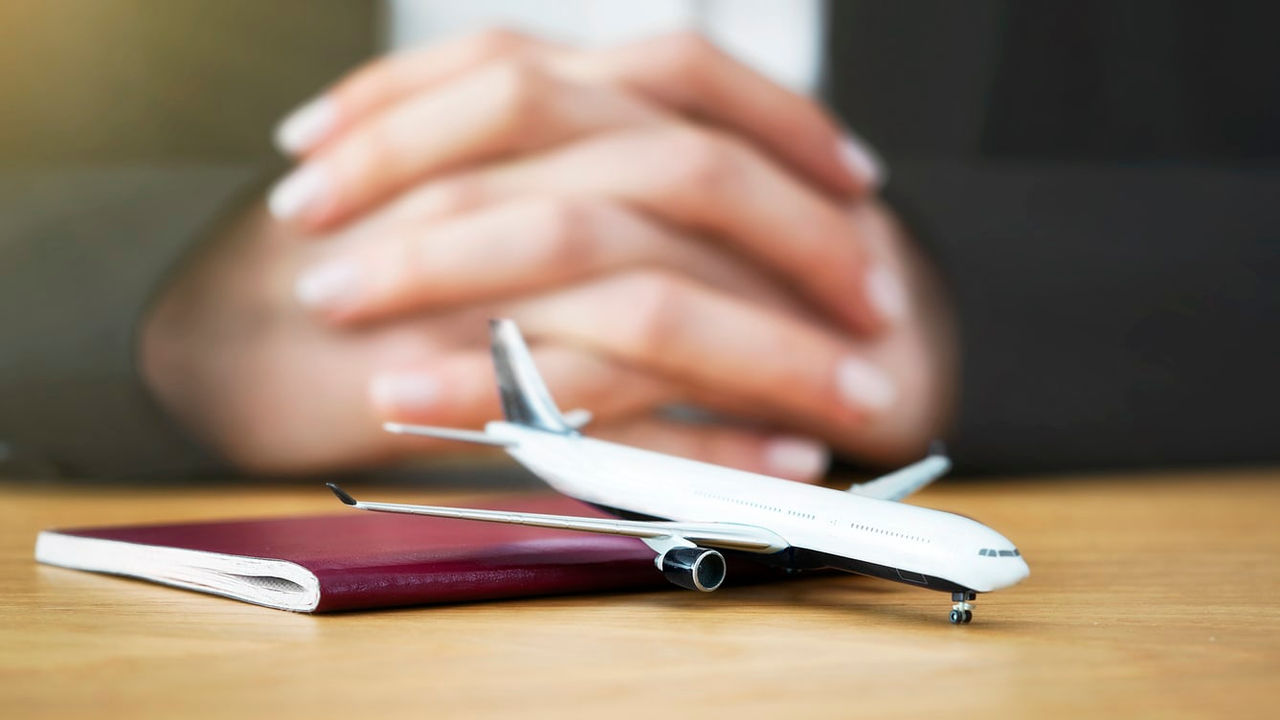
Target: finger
(786, 456)
(391, 78)
(687, 72)
(669, 326)
(457, 389)
(512, 249)
(500, 108)
(683, 71)
(710, 183)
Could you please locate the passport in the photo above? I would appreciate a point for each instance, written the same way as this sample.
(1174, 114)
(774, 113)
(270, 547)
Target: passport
(354, 560)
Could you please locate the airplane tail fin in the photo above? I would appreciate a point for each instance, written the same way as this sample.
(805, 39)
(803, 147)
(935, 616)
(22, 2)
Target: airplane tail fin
(525, 398)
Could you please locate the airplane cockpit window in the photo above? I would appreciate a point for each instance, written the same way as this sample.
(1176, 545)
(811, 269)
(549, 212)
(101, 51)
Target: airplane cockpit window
(991, 552)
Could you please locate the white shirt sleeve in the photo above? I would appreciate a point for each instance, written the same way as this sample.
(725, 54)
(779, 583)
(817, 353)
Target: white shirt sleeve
(780, 38)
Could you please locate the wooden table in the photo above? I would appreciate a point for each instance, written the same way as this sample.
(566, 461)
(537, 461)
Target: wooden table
(1150, 595)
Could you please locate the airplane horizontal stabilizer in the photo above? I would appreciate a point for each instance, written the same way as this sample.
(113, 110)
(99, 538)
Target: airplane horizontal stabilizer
(443, 433)
(901, 483)
(577, 418)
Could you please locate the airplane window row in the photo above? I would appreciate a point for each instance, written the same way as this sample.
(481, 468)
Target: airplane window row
(890, 533)
(989, 552)
(759, 506)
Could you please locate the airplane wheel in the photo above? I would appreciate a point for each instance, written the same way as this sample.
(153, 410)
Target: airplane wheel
(968, 616)
(957, 617)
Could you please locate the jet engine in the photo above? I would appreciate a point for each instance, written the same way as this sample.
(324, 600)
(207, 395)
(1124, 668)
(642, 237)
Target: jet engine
(693, 568)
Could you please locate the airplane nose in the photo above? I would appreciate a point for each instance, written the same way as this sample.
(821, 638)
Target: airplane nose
(1012, 572)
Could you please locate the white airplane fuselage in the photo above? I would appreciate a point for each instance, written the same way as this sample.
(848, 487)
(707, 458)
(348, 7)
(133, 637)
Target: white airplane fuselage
(824, 527)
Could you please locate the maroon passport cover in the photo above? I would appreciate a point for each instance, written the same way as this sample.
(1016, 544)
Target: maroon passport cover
(373, 560)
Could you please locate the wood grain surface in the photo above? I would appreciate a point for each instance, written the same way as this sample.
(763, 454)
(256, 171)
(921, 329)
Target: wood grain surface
(1152, 595)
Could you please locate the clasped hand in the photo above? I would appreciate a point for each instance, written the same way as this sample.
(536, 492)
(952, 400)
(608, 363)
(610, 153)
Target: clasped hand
(666, 226)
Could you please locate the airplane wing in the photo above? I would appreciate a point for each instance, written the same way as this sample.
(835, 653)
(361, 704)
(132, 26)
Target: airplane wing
(901, 483)
(730, 536)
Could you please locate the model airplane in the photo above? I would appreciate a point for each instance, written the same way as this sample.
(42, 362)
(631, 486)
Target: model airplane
(690, 512)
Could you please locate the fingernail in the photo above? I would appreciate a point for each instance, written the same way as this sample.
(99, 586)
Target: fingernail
(301, 190)
(330, 284)
(863, 385)
(305, 127)
(886, 293)
(797, 457)
(861, 160)
(404, 392)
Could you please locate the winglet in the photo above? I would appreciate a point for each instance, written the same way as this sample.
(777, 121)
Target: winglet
(342, 494)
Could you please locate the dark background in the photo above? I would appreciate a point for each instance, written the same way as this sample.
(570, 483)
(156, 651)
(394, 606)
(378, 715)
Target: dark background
(1100, 182)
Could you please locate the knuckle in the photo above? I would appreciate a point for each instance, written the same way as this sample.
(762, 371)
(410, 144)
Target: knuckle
(498, 41)
(444, 198)
(702, 162)
(522, 88)
(369, 154)
(457, 196)
(686, 51)
(655, 302)
(566, 228)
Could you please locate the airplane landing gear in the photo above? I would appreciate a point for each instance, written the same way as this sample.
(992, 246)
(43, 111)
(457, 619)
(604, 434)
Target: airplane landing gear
(962, 611)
